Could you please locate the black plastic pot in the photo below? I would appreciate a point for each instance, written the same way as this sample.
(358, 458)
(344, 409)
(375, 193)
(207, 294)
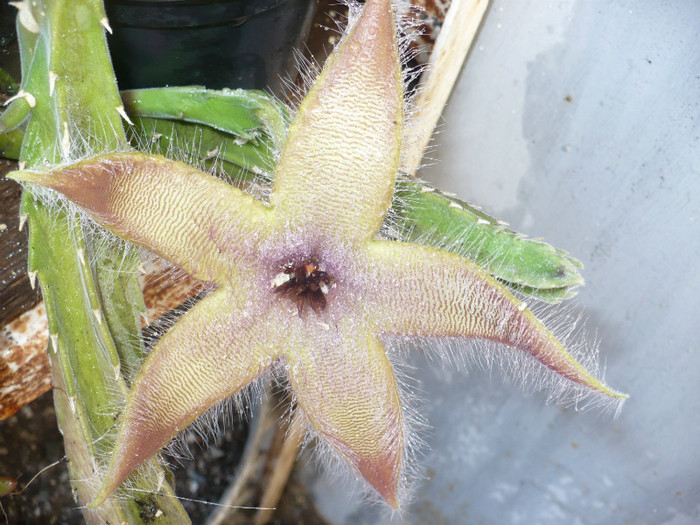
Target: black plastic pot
(214, 43)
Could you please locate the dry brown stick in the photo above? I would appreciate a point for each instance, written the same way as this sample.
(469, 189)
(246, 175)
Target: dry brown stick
(238, 498)
(451, 47)
(25, 372)
(270, 454)
(282, 469)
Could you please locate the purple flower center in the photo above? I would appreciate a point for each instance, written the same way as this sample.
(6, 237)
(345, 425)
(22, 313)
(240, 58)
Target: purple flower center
(303, 283)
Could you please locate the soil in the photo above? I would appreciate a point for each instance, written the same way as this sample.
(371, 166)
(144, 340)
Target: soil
(30, 441)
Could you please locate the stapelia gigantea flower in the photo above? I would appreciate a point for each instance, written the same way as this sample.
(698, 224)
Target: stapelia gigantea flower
(302, 281)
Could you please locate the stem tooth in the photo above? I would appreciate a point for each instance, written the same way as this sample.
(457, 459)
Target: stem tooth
(52, 82)
(105, 23)
(81, 256)
(54, 343)
(98, 315)
(32, 278)
(122, 114)
(22, 217)
(26, 95)
(26, 17)
(65, 141)
(31, 100)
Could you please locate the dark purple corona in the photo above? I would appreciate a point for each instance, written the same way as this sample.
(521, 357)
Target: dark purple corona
(304, 284)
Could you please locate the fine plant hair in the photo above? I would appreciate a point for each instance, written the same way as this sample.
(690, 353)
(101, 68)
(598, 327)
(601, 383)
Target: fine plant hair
(414, 426)
(458, 239)
(252, 179)
(564, 321)
(413, 423)
(407, 21)
(212, 424)
(520, 368)
(516, 365)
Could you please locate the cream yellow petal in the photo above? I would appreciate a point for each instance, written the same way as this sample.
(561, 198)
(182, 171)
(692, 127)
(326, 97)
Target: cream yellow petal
(182, 214)
(207, 356)
(426, 292)
(346, 386)
(336, 174)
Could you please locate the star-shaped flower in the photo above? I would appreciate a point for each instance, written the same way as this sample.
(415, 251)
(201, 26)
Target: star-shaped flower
(303, 281)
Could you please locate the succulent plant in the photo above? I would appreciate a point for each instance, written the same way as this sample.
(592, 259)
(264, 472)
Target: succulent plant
(303, 284)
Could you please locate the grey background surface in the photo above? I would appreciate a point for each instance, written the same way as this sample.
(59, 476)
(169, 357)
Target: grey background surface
(612, 176)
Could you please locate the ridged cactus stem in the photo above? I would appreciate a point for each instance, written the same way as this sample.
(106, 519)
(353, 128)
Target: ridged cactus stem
(92, 297)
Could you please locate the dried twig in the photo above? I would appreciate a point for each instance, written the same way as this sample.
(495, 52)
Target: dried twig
(451, 47)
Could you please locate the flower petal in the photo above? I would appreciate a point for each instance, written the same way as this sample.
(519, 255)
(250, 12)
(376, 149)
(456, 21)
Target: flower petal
(204, 358)
(338, 165)
(427, 292)
(174, 210)
(346, 386)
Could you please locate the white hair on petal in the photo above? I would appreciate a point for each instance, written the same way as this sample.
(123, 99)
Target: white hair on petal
(74, 145)
(212, 424)
(520, 367)
(338, 471)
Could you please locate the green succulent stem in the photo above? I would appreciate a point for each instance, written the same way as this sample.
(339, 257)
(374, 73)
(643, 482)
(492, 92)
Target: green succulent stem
(15, 114)
(11, 143)
(91, 292)
(529, 266)
(246, 114)
(8, 85)
(240, 131)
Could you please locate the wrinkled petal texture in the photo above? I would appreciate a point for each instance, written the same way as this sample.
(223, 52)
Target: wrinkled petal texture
(333, 187)
(167, 207)
(207, 356)
(346, 386)
(336, 173)
(439, 294)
